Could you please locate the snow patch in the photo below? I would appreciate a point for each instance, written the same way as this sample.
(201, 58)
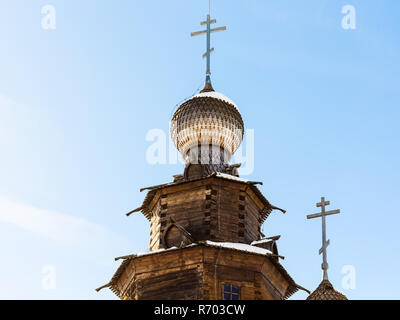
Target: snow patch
(228, 245)
(148, 253)
(216, 95)
(261, 241)
(230, 177)
(239, 246)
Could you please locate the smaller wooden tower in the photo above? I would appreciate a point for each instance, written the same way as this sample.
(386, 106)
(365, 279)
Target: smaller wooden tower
(205, 225)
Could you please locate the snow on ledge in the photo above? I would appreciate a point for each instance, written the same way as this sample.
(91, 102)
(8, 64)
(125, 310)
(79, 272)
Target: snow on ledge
(231, 177)
(227, 245)
(148, 253)
(240, 246)
(216, 95)
(261, 241)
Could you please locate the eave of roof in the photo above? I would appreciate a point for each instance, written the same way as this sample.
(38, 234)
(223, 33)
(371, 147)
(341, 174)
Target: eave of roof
(248, 249)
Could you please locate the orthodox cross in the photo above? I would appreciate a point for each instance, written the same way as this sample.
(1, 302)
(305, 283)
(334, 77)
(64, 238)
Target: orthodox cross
(325, 243)
(210, 50)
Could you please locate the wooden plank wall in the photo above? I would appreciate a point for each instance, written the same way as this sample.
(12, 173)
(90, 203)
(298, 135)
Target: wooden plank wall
(213, 209)
(200, 273)
(155, 227)
(178, 285)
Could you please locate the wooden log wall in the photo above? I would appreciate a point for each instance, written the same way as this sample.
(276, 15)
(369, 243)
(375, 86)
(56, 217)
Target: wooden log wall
(200, 273)
(210, 209)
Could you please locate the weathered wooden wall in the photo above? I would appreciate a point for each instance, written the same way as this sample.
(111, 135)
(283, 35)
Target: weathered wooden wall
(210, 209)
(199, 273)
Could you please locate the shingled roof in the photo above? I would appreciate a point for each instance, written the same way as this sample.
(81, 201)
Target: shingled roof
(326, 291)
(293, 286)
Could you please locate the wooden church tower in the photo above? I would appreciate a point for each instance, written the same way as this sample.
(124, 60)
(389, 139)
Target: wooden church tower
(205, 225)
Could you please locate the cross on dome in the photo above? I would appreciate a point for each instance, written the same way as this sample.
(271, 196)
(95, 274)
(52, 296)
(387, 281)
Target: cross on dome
(210, 50)
(325, 243)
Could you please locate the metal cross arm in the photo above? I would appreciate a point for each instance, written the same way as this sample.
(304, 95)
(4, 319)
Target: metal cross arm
(318, 215)
(204, 23)
(211, 51)
(198, 33)
(327, 243)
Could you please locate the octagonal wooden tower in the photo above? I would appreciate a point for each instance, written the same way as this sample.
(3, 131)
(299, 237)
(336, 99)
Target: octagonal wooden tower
(219, 207)
(205, 243)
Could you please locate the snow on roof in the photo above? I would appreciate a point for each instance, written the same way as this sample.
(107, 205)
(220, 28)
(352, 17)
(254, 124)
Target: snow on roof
(239, 246)
(148, 253)
(228, 245)
(216, 95)
(230, 177)
(154, 252)
(261, 241)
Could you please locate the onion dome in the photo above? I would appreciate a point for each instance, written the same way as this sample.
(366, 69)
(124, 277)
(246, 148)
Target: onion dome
(326, 291)
(207, 129)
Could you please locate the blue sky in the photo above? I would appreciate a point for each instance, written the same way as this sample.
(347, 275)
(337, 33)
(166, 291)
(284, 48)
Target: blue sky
(77, 102)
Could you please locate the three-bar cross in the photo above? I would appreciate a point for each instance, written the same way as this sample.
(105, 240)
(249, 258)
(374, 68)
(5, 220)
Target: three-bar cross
(325, 243)
(210, 50)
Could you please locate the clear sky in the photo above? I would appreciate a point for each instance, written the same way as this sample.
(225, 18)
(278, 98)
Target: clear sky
(76, 103)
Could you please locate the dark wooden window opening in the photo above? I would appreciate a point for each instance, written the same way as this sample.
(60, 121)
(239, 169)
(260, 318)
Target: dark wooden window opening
(230, 292)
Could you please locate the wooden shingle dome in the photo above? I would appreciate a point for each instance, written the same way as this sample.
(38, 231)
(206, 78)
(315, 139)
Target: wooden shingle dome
(326, 291)
(207, 128)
